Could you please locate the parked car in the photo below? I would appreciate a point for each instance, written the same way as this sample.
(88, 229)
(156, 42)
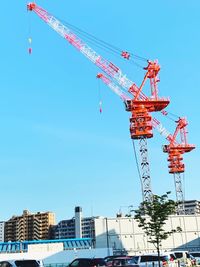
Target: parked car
(185, 258)
(151, 260)
(109, 259)
(196, 255)
(126, 261)
(87, 262)
(21, 263)
(170, 259)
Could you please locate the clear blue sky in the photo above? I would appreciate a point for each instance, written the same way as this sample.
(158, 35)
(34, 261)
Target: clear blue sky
(56, 150)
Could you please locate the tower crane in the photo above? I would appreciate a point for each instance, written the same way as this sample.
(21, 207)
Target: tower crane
(175, 149)
(175, 152)
(138, 104)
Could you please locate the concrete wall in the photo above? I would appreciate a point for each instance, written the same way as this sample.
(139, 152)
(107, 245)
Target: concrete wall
(124, 234)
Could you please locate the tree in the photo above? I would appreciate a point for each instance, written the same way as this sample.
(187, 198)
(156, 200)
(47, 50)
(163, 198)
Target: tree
(152, 216)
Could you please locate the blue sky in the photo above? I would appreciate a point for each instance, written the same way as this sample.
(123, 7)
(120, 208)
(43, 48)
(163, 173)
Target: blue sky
(56, 150)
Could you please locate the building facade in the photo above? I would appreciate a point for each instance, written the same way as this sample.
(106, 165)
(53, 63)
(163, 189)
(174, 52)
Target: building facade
(29, 226)
(192, 207)
(123, 235)
(77, 227)
(119, 234)
(2, 225)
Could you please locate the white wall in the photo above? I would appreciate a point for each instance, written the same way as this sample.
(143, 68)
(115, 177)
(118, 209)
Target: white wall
(124, 233)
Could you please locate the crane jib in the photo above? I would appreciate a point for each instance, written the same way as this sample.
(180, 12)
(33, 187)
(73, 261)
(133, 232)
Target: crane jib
(108, 67)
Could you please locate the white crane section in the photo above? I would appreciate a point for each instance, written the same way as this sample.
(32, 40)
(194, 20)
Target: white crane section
(108, 67)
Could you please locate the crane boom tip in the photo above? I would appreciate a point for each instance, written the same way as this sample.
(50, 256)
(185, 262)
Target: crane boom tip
(31, 6)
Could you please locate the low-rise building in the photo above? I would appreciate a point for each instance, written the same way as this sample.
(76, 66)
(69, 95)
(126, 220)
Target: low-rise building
(122, 234)
(77, 227)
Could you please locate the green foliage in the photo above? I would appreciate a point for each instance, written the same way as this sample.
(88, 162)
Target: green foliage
(152, 217)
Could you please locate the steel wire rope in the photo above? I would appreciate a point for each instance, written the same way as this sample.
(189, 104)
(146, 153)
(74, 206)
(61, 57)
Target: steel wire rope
(29, 31)
(90, 36)
(166, 114)
(137, 165)
(184, 189)
(170, 114)
(174, 115)
(102, 44)
(100, 97)
(101, 41)
(111, 51)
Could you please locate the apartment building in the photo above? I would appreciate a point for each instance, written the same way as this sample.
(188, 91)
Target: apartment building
(2, 224)
(77, 227)
(29, 226)
(192, 207)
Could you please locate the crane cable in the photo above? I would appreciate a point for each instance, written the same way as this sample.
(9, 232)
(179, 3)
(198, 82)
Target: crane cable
(111, 49)
(102, 44)
(137, 162)
(100, 97)
(114, 50)
(170, 116)
(29, 33)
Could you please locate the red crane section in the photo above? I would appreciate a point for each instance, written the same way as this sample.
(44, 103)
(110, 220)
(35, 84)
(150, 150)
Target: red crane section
(178, 144)
(176, 149)
(141, 119)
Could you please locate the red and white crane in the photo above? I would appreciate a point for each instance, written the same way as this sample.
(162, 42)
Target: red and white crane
(175, 152)
(178, 144)
(137, 103)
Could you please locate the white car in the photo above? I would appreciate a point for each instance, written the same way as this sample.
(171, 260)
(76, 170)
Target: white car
(151, 260)
(184, 258)
(21, 263)
(196, 255)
